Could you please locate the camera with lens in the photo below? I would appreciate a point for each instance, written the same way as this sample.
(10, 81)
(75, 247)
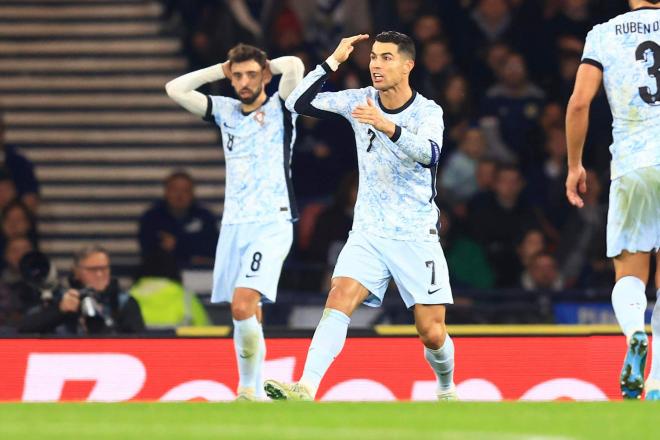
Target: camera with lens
(41, 276)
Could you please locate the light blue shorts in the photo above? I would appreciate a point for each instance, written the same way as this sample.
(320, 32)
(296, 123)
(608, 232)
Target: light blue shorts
(633, 218)
(419, 269)
(250, 255)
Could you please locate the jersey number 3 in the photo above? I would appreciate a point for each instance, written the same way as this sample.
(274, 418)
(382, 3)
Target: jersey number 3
(642, 54)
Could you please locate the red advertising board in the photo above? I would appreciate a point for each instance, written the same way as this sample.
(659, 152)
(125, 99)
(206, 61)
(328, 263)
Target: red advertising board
(487, 368)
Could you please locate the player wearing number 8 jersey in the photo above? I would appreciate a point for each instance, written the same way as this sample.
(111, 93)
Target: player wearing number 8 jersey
(258, 133)
(398, 134)
(624, 54)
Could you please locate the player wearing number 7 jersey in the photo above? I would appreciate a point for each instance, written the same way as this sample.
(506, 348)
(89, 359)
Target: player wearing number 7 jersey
(624, 54)
(398, 134)
(258, 133)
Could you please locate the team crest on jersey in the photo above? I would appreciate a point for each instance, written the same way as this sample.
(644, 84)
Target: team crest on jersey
(259, 117)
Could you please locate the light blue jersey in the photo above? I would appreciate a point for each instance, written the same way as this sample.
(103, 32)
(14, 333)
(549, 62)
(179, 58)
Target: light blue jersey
(397, 176)
(627, 49)
(257, 149)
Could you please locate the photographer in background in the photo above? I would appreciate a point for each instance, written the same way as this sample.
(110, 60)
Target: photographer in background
(93, 304)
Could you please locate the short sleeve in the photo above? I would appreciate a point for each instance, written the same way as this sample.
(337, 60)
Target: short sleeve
(216, 107)
(591, 54)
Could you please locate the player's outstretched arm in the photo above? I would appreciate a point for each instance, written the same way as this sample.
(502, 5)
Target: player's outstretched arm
(423, 147)
(587, 83)
(292, 70)
(184, 88)
(306, 99)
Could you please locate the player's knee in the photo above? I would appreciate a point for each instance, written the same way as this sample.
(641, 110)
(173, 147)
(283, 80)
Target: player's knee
(342, 299)
(432, 335)
(241, 310)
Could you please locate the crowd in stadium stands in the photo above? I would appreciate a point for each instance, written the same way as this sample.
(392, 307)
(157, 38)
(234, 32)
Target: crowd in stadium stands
(502, 70)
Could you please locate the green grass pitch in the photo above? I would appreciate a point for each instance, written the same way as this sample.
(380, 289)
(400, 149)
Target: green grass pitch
(333, 421)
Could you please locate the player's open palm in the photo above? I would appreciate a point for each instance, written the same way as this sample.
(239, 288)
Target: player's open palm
(346, 46)
(576, 184)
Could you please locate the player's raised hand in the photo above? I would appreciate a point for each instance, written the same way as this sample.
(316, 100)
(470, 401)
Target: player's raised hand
(226, 69)
(370, 114)
(346, 46)
(576, 184)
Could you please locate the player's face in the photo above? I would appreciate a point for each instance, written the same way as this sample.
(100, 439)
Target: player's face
(388, 67)
(247, 78)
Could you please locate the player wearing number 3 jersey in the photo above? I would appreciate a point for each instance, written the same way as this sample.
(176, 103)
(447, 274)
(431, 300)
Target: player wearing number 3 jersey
(398, 134)
(624, 54)
(258, 133)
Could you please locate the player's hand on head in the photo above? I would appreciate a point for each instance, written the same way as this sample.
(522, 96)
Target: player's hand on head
(226, 69)
(576, 184)
(346, 46)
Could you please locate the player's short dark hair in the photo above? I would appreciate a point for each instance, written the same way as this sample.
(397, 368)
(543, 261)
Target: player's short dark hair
(244, 52)
(404, 43)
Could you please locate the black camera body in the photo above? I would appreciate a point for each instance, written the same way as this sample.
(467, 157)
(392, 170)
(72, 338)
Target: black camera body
(38, 272)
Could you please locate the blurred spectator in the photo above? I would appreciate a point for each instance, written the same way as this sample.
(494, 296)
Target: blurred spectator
(486, 67)
(583, 237)
(458, 180)
(467, 261)
(569, 61)
(516, 103)
(485, 175)
(8, 191)
(496, 221)
(14, 250)
(542, 274)
(456, 101)
(489, 22)
(327, 21)
(178, 225)
(573, 18)
(287, 34)
(334, 223)
(547, 184)
(21, 171)
(324, 148)
(14, 292)
(532, 243)
(427, 27)
(17, 221)
(162, 298)
(94, 303)
(435, 68)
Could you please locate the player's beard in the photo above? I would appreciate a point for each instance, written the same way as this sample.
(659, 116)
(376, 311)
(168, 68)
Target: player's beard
(253, 97)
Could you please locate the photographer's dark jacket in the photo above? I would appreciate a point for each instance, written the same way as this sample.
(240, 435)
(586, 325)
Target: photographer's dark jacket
(122, 310)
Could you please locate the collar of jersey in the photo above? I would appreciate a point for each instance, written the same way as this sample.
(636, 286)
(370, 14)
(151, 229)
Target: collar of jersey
(400, 109)
(262, 104)
(646, 7)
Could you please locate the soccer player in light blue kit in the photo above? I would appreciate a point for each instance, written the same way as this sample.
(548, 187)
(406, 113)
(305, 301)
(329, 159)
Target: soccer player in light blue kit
(258, 133)
(624, 53)
(398, 134)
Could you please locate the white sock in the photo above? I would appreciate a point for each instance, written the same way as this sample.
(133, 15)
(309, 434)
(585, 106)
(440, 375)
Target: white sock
(247, 333)
(327, 343)
(655, 345)
(261, 358)
(629, 302)
(442, 363)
